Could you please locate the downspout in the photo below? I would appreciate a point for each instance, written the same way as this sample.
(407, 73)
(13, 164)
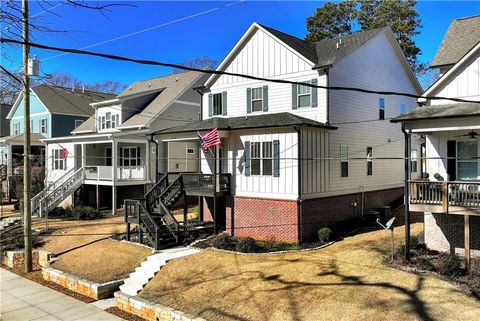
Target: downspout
(407, 192)
(299, 175)
(327, 110)
(157, 158)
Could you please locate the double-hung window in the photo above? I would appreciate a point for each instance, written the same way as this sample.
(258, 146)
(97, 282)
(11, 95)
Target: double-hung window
(344, 160)
(108, 117)
(414, 161)
(381, 108)
(130, 156)
(257, 99)
(369, 161)
(467, 163)
(43, 125)
(58, 162)
(217, 104)
(16, 128)
(261, 158)
(304, 96)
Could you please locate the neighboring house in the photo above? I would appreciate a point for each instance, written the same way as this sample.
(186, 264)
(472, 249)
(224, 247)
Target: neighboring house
(295, 158)
(4, 122)
(54, 111)
(112, 156)
(450, 197)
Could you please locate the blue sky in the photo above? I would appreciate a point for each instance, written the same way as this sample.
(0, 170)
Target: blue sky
(212, 34)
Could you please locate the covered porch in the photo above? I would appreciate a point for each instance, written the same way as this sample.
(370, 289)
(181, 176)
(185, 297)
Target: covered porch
(449, 186)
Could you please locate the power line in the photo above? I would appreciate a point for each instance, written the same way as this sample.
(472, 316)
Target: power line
(164, 24)
(216, 72)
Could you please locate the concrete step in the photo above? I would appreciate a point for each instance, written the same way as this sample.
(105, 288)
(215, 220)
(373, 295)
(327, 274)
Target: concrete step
(129, 290)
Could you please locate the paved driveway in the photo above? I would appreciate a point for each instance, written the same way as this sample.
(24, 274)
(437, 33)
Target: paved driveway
(23, 300)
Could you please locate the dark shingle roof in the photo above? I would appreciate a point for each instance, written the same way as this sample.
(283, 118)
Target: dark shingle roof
(17, 139)
(324, 53)
(441, 111)
(65, 101)
(257, 121)
(462, 35)
(328, 53)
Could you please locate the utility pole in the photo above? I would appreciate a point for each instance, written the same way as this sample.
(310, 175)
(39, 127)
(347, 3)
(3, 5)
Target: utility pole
(27, 217)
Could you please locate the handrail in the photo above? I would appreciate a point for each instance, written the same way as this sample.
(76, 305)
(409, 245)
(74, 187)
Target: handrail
(35, 201)
(445, 194)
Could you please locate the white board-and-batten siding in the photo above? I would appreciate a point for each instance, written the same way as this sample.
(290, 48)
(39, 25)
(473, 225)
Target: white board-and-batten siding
(285, 186)
(464, 83)
(376, 66)
(264, 56)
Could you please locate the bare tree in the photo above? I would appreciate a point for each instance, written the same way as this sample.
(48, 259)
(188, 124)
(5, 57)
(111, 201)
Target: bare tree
(62, 79)
(200, 62)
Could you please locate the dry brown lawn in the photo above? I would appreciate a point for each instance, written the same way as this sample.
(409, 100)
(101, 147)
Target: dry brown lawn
(102, 261)
(345, 281)
(68, 234)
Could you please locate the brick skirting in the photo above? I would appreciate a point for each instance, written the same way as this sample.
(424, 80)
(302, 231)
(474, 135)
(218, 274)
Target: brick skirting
(445, 233)
(149, 310)
(97, 291)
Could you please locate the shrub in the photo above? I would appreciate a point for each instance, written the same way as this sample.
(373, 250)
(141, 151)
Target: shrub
(222, 241)
(58, 212)
(16, 206)
(474, 285)
(324, 234)
(424, 263)
(449, 264)
(246, 245)
(82, 212)
(475, 268)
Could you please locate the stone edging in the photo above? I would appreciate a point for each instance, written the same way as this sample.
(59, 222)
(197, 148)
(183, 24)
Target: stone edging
(97, 291)
(149, 310)
(136, 243)
(14, 259)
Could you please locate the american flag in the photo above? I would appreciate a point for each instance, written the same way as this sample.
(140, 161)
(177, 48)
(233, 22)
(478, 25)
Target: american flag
(210, 139)
(64, 154)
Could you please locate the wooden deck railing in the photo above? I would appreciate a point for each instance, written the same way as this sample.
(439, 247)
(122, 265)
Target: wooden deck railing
(444, 197)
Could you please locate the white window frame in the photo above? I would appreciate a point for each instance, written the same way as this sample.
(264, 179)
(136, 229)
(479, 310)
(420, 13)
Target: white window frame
(43, 125)
(16, 128)
(219, 100)
(58, 162)
(302, 91)
(344, 159)
(460, 160)
(262, 156)
(256, 99)
(190, 151)
(129, 158)
(381, 107)
(370, 160)
(413, 160)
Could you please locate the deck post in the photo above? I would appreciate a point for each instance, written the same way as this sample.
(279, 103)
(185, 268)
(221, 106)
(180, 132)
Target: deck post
(200, 205)
(97, 198)
(407, 164)
(467, 241)
(114, 176)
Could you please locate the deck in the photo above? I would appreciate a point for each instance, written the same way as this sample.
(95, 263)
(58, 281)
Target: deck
(459, 197)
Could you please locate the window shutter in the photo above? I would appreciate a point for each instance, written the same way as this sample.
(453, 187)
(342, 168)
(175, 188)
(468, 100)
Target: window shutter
(120, 158)
(265, 98)
(138, 156)
(210, 105)
(294, 96)
(247, 158)
(224, 103)
(276, 158)
(249, 100)
(314, 93)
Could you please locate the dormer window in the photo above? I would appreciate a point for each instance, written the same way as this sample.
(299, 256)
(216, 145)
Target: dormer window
(109, 121)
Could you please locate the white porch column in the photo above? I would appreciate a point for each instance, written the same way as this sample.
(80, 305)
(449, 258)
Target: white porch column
(114, 176)
(147, 160)
(9, 160)
(84, 156)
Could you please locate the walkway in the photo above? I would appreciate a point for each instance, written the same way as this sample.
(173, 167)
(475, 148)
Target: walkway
(23, 300)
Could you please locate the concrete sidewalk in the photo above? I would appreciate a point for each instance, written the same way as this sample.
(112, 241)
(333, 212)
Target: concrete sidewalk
(23, 300)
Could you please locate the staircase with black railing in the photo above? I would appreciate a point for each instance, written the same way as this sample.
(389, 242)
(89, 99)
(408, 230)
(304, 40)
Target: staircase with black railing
(156, 223)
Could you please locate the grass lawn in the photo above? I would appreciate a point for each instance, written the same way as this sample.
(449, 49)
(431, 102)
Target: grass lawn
(67, 234)
(102, 261)
(345, 281)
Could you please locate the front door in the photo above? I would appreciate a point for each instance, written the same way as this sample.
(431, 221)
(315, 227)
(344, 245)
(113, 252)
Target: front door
(108, 156)
(452, 160)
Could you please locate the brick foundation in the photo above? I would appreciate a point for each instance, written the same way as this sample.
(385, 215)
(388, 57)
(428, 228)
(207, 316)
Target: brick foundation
(322, 212)
(445, 233)
(262, 218)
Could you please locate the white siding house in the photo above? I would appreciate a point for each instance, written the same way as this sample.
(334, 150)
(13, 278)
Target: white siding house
(449, 193)
(297, 155)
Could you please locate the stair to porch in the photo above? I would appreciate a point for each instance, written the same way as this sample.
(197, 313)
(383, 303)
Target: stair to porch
(151, 266)
(51, 196)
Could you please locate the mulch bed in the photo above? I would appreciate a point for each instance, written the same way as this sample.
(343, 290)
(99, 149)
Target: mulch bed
(36, 276)
(124, 315)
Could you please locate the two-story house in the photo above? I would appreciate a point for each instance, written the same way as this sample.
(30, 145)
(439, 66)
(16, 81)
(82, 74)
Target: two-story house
(294, 158)
(54, 111)
(449, 194)
(112, 155)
